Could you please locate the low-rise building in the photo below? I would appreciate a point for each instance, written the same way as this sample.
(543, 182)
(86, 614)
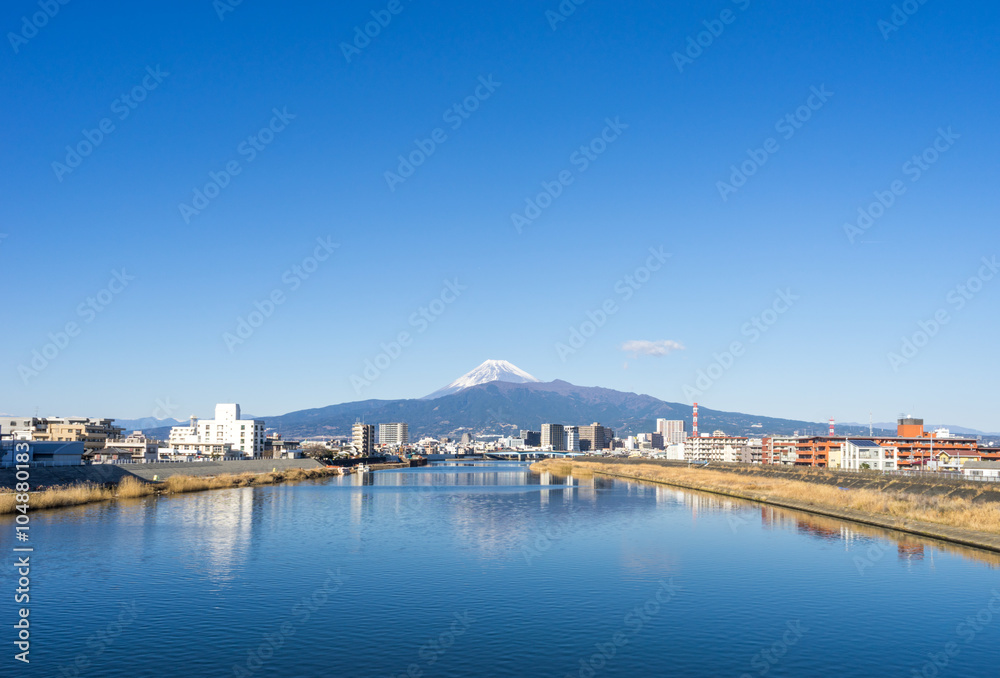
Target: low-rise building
(715, 448)
(44, 453)
(276, 447)
(858, 455)
(981, 470)
(135, 447)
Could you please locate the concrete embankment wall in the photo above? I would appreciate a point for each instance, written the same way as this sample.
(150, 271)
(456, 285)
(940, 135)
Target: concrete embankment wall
(927, 484)
(113, 473)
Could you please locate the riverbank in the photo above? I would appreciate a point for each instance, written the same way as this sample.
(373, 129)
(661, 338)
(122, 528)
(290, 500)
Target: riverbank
(130, 487)
(954, 519)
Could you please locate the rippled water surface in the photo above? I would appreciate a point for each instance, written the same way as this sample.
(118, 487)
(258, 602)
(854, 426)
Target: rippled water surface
(492, 570)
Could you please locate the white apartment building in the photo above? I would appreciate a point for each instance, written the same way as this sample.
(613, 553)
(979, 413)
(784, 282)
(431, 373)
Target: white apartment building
(714, 448)
(394, 434)
(859, 453)
(226, 436)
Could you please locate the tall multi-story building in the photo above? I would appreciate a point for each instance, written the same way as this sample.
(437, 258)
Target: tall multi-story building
(553, 437)
(395, 434)
(210, 437)
(672, 430)
(595, 437)
(572, 434)
(363, 438)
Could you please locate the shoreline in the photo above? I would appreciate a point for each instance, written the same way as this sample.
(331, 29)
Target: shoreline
(130, 487)
(940, 531)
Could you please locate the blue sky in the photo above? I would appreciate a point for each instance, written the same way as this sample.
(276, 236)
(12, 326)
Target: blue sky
(320, 176)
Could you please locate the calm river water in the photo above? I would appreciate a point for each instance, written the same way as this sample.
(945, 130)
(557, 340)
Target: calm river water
(491, 570)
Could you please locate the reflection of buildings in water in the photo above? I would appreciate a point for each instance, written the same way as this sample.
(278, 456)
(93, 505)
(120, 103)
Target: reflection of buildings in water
(851, 534)
(219, 526)
(909, 551)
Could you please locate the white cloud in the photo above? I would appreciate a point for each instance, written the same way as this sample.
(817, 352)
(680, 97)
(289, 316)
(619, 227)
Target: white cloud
(640, 347)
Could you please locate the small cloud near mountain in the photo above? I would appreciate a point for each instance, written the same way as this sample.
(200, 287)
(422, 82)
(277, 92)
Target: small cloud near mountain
(641, 347)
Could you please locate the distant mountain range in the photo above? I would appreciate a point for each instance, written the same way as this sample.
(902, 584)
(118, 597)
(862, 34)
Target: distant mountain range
(498, 398)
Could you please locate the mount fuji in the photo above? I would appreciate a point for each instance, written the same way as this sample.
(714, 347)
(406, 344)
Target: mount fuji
(498, 398)
(489, 371)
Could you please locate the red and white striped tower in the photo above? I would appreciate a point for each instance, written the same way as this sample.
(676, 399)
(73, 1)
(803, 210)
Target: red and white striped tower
(831, 427)
(694, 422)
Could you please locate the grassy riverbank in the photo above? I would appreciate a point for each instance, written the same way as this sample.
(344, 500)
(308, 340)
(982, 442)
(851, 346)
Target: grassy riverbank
(896, 507)
(130, 487)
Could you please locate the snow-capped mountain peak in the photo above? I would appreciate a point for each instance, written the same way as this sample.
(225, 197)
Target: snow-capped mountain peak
(491, 370)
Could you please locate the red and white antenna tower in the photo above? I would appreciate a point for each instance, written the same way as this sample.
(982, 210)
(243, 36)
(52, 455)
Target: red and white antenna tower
(694, 423)
(831, 427)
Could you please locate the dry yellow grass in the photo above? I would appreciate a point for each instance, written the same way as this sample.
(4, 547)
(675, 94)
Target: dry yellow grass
(954, 512)
(71, 495)
(130, 487)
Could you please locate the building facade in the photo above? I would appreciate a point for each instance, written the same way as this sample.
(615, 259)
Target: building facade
(715, 448)
(672, 430)
(553, 437)
(859, 455)
(595, 437)
(363, 439)
(226, 436)
(394, 434)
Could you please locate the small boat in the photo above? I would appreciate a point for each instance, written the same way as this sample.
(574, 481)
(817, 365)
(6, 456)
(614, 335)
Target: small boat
(363, 468)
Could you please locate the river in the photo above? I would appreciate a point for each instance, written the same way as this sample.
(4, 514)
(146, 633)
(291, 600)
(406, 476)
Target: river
(488, 569)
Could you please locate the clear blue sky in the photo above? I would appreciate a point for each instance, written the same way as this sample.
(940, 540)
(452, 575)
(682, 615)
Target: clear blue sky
(323, 175)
